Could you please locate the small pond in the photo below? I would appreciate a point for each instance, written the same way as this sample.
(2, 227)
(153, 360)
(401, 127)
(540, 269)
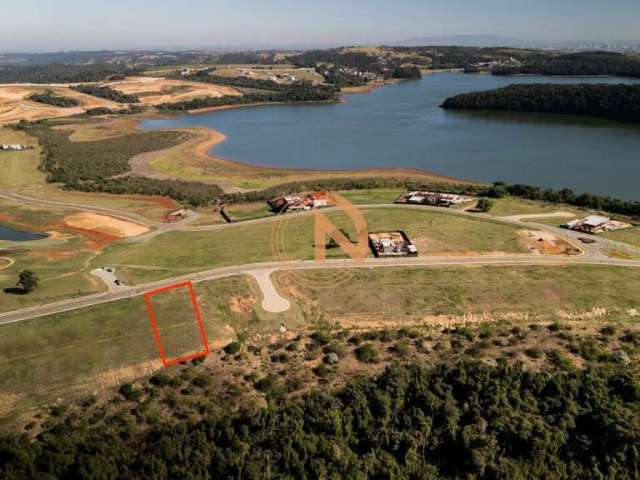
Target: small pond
(13, 235)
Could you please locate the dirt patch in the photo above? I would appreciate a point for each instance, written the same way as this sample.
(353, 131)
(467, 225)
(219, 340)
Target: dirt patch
(545, 243)
(156, 90)
(14, 105)
(105, 225)
(242, 304)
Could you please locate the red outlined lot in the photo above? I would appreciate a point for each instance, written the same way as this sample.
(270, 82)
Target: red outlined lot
(156, 332)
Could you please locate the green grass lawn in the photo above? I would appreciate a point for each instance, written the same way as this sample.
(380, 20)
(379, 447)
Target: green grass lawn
(249, 211)
(517, 206)
(19, 169)
(363, 197)
(83, 350)
(398, 293)
(177, 253)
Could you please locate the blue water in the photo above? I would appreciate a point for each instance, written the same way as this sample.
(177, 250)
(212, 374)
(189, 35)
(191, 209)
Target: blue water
(13, 235)
(402, 126)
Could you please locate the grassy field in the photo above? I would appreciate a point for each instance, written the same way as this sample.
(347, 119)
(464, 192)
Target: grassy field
(481, 293)
(517, 206)
(628, 235)
(92, 348)
(19, 169)
(177, 253)
(249, 211)
(364, 197)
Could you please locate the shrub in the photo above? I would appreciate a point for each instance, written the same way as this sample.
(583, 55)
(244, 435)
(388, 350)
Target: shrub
(322, 370)
(232, 348)
(320, 338)
(201, 381)
(533, 352)
(129, 392)
(402, 349)
(367, 353)
(608, 330)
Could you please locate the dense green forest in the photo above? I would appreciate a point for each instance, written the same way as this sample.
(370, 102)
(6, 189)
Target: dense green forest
(407, 73)
(96, 166)
(130, 110)
(63, 73)
(50, 98)
(107, 93)
(585, 63)
(613, 102)
(269, 92)
(466, 420)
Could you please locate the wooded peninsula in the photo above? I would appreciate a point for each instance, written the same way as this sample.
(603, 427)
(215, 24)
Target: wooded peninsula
(614, 102)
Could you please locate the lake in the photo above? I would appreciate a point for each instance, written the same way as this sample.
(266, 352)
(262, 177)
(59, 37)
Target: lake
(402, 126)
(13, 235)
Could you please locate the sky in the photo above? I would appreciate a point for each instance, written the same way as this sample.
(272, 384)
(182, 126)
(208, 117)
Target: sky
(95, 24)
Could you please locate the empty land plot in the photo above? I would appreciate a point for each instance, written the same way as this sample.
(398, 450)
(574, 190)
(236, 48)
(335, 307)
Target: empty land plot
(628, 235)
(14, 105)
(86, 350)
(292, 238)
(155, 90)
(104, 224)
(473, 293)
(176, 339)
(373, 196)
(19, 169)
(503, 207)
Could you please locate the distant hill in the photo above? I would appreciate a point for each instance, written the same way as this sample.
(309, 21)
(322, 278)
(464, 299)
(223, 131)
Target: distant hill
(467, 41)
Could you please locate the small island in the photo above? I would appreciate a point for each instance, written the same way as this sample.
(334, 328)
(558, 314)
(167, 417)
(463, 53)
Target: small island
(613, 102)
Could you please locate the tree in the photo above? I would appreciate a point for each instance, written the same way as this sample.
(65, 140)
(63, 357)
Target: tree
(28, 281)
(484, 205)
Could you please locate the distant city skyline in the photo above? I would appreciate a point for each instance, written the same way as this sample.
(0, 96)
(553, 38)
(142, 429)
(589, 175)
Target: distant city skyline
(47, 25)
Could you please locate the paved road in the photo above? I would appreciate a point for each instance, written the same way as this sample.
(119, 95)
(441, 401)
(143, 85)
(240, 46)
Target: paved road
(593, 254)
(253, 269)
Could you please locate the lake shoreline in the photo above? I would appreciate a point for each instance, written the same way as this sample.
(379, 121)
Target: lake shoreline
(401, 129)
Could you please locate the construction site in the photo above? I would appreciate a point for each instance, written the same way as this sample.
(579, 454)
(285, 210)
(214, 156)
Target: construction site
(298, 202)
(437, 199)
(392, 244)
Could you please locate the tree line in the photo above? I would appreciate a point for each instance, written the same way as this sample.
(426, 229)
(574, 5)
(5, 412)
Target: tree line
(613, 102)
(465, 420)
(584, 63)
(107, 93)
(294, 93)
(63, 73)
(48, 97)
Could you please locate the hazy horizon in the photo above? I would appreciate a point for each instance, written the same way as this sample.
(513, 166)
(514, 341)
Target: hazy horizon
(45, 25)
